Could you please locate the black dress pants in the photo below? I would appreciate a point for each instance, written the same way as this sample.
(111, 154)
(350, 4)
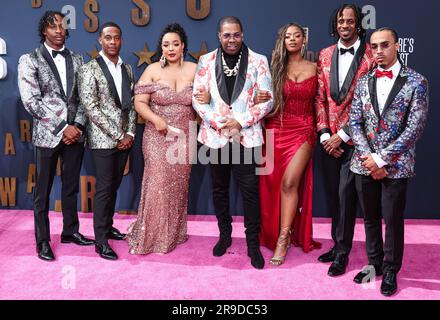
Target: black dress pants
(242, 163)
(46, 163)
(340, 190)
(109, 168)
(387, 199)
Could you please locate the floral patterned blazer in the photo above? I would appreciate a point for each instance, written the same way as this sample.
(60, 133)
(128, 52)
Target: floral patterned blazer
(393, 133)
(253, 75)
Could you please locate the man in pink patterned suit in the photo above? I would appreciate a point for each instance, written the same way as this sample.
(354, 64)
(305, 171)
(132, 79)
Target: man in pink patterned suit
(231, 128)
(339, 68)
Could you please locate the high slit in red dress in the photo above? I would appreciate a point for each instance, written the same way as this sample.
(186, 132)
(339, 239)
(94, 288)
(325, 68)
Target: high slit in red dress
(290, 130)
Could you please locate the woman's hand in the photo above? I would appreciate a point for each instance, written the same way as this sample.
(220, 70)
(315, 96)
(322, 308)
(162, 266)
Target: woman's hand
(202, 95)
(161, 126)
(262, 97)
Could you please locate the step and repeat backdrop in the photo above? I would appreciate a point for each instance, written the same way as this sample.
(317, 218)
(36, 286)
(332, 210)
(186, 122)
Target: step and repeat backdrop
(142, 22)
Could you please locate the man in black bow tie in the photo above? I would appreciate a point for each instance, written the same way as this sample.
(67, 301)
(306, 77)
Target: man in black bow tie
(339, 68)
(63, 52)
(106, 87)
(47, 83)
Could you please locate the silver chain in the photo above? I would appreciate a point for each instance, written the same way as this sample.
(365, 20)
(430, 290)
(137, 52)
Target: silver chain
(231, 72)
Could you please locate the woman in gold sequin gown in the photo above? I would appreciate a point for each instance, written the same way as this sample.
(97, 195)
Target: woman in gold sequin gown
(163, 98)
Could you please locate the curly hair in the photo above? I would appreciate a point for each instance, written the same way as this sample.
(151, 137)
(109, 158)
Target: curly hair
(46, 20)
(279, 63)
(171, 28)
(359, 17)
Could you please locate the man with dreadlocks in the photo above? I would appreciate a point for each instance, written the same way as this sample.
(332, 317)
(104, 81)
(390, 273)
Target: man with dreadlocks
(47, 83)
(339, 68)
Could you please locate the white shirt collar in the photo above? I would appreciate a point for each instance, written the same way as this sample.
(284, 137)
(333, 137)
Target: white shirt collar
(50, 49)
(395, 68)
(108, 61)
(356, 45)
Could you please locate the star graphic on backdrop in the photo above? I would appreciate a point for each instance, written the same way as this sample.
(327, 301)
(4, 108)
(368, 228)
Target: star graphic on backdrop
(203, 50)
(94, 53)
(144, 56)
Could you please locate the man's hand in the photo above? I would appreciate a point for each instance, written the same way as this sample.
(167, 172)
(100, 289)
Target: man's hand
(379, 174)
(232, 129)
(337, 153)
(333, 146)
(369, 163)
(71, 135)
(126, 143)
(232, 124)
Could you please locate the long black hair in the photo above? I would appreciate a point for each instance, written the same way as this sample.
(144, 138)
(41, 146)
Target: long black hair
(46, 20)
(171, 28)
(359, 18)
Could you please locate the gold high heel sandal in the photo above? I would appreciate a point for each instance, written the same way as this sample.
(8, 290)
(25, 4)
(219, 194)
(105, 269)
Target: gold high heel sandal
(283, 243)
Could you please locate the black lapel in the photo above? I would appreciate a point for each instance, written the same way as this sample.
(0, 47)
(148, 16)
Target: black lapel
(398, 85)
(110, 81)
(127, 93)
(70, 74)
(220, 76)
(352, 72)
(372, 87)
(241, 77)
(46, 55)
(334, 76)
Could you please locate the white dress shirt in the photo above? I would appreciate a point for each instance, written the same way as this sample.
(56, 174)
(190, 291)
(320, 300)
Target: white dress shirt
(60, 63)
(116, 72)
(344, 61)
(385, 85)
(383, 90)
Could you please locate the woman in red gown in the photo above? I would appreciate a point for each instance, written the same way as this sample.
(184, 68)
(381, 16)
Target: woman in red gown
(286, 193)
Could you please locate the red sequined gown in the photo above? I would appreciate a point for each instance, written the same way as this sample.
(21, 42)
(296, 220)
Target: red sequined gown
(291, 129)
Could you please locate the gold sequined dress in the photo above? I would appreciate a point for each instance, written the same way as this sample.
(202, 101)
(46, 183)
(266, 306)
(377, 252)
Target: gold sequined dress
(162, 213)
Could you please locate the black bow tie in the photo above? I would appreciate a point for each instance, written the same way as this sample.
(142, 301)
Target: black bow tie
(64, 53)
(344, 51)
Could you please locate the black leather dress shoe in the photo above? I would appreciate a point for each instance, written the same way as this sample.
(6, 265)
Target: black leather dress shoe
(389, 284)
(257, 260)
(222, 245)
(45, 252)
(338, 266)
(115, 234)
(106, 252)
(366, 275)
(78, 239)
(328, 256)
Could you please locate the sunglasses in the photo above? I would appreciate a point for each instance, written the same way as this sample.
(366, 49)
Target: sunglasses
(236, 36)
(383, 45)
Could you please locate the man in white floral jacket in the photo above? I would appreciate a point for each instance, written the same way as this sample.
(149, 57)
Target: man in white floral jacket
(231, 128)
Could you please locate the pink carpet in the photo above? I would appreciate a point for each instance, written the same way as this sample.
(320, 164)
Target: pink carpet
(191, 272)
